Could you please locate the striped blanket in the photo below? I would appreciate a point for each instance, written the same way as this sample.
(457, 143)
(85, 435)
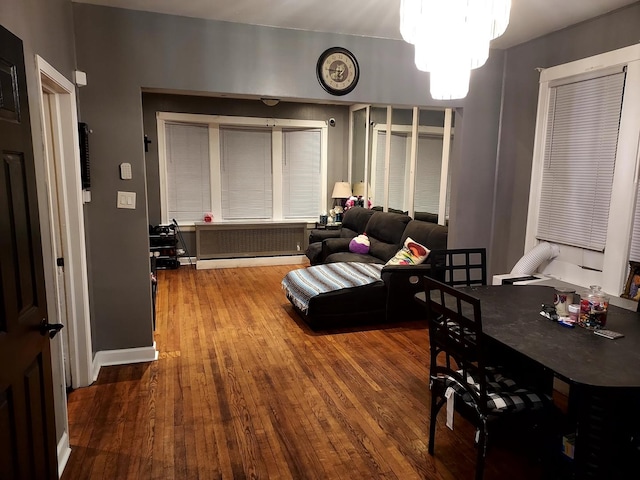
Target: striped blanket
(303, 284)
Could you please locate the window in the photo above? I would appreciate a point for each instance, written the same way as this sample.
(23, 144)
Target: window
(241, 168)
(428, 168)
(188, 179)
(302, 171)
(245, 172)
(398, 160)
(584, 174)
(579, 160)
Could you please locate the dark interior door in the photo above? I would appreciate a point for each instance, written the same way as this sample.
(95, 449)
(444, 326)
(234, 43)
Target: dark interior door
(27, 426)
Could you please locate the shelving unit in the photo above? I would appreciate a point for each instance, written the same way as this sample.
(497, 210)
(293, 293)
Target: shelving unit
(163, 245)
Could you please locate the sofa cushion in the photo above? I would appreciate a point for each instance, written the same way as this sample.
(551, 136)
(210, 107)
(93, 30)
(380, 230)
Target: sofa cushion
(378, 208)
(352, 257)
(426, 217)
(355, 221)
(431, 235)
(385, 233)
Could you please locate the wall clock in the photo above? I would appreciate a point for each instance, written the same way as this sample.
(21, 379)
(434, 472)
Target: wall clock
(338, 71)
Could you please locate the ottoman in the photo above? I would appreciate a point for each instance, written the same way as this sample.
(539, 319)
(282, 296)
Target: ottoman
(337, 294)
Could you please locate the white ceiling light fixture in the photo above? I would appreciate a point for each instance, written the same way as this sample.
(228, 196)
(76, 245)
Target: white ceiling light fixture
(451, 38)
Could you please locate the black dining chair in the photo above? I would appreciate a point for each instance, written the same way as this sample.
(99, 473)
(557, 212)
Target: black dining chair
(459, 266)
(480, 393)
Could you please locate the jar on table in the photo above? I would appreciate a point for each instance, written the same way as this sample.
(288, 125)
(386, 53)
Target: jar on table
(593, 309)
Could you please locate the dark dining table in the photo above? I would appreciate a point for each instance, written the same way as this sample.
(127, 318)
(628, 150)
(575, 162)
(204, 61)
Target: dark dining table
(603, 374)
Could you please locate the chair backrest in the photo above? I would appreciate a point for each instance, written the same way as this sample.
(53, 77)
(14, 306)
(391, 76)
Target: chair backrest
(455, 332)
(460, 266)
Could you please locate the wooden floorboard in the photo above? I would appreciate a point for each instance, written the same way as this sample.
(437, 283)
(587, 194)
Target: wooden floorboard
(244, 389)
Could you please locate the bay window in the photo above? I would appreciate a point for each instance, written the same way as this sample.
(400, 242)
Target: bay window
(241, 168)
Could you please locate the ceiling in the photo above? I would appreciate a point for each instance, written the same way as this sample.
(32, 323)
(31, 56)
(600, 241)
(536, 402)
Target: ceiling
(371, 18)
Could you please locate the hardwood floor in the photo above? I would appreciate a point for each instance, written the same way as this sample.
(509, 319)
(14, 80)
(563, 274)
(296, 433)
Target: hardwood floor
(244, 389)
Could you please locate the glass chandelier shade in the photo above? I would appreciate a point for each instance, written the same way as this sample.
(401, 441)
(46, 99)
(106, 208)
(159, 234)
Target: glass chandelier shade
(451, 37)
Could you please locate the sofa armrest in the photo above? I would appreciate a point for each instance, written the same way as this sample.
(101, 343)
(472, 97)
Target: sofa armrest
(320, 235)
(402, 283)
(405, 270)
(334, 245)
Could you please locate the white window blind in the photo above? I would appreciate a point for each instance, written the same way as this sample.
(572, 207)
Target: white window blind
(188, 178)
(378, 183)
(428, 170)
(301, 173)
(246, 173)
(397, 170)
(634, 254)
(579, 161)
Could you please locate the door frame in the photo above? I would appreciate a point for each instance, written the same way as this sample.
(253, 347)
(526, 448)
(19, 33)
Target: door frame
(67, 150)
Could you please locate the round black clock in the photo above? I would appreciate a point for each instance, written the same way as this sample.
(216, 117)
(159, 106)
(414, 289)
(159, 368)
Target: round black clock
(338, 71)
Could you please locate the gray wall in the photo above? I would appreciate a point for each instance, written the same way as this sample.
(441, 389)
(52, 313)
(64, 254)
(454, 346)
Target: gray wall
(609, 32)
(124, 51)
(473, 159)
(46, 29)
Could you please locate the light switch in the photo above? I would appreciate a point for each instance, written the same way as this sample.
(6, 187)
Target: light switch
(127, 200)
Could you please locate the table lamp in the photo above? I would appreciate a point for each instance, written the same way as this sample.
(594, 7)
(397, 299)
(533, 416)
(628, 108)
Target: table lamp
(358, 191)
(341, 191)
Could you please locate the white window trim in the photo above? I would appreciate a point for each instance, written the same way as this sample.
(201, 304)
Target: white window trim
(568, 266)
(214, 122)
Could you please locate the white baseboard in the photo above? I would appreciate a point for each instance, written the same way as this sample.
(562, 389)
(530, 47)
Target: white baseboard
(64, 450)
(187, 260)
(251, 262)
(123, 357)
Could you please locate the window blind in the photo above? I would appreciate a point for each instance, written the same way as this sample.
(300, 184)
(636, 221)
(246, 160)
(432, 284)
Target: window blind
(428, 170)
(634, 254)
(301, 173)
(188, 178)
(579, 161)
(246, 174)
(378, 184)
(397, 170)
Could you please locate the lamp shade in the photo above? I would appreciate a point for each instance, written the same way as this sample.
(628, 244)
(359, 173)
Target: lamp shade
(341, 190)
(358, 189)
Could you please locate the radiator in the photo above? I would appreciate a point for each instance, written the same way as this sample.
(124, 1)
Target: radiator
(219, 240)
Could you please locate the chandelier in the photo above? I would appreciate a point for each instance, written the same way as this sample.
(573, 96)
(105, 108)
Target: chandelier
(451, 38)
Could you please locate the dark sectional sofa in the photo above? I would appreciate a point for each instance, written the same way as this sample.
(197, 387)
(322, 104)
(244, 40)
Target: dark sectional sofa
(391, 298)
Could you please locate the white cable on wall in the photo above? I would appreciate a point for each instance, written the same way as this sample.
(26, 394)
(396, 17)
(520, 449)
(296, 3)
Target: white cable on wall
(531, 260)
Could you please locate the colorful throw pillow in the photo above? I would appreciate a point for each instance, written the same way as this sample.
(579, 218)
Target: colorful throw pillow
(412, 253)
(360, 244)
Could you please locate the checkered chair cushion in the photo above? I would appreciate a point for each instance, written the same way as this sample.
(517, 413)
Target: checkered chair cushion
(454, 327)
(503, 395)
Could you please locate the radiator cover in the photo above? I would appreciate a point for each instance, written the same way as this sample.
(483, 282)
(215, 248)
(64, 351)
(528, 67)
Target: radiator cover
(235, 240)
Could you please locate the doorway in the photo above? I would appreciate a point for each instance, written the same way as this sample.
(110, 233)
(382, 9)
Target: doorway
(65, 202)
